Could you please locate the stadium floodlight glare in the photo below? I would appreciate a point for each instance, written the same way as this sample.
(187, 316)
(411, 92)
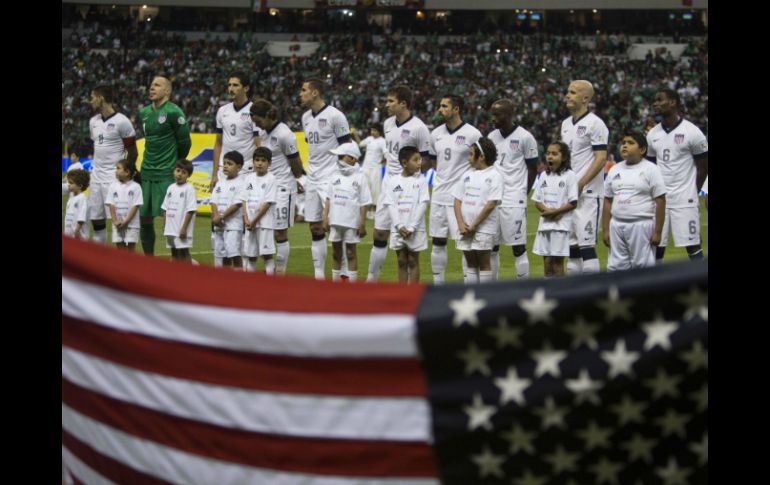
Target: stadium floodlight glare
(144, 6)
(687, 16)
(328, 76)
(350, 86)
(543, 69)
(498, 51)
(595, 10)
(324, 58)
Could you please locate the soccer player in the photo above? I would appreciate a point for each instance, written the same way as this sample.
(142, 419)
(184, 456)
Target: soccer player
(681, 151)
(517, 163)
(179, 209)
(76, 213)
(325, 128)
(123, 200)
(402, 129)
(167, 139)
(286, 166)
(634, 207)
(374, 159)
(258, 198)
(586, 136)
(226, 216)
(114, 139)
(450, 149)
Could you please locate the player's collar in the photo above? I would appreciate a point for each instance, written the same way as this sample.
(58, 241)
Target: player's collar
(669, 130)
(452, 132)
(399, 125)
(506, 135)
(238, 108)
(104, 120)
(273, 127)
(319, 111)
(575, 121)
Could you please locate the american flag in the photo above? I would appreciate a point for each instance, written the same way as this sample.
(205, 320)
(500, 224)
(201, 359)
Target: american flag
(184, 374)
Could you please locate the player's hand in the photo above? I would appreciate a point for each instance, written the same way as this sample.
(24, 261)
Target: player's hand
(655, 239)
(462, 227)
(215, 219)
(300, 188)
(581, 185)
(404, 232)
(213, 183)
(361, 230)
(606, 239)
(183, 235)
(326, 227)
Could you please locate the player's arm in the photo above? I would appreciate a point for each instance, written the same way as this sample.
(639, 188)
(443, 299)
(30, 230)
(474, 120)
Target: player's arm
(660, 214)
(531, 172)
(217, 154)
(606, 213)
(701, 169)
(463, 228)
(485, 211)
(362, 220)
(215, 219)
(327, 207)
(113, 214)
(257, 140)
(428, 163)
(600, 160)
(183, 141)
(187, 218)
(131, 214)
(129, 143)
(245, 214)
(295, 164)
(234, 207)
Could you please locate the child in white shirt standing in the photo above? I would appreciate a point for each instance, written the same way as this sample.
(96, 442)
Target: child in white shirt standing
(76, 215)
(124, 198)
(226, 216)
(179, 209)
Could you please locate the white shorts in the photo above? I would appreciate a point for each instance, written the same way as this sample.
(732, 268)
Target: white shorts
(128, 235)
(630, 245)
(684, 223)
(285, 203)
(382, 220)
(513, 226)
(227, 244)
(373, 175)
(585, 222)
(340, 233)
(175, 242)
(477, 241)
(97, 199)
(314, 204)
(551, 243)
(443, 222)
(259, 242)
(418, 241)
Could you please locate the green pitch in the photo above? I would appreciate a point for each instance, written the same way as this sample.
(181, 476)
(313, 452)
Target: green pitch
(301, 263)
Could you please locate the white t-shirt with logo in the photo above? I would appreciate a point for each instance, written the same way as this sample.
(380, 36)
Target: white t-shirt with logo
(514, 154)
(584, 136)
(109, 148)
(77, 211)
(475, 189)
(257, 191)
(124, 196)
(324, 131)
(411, 133)
(226, 193)
(180, 199)
(346, 194)
(408, 197)
(553, 191)
(451, 148)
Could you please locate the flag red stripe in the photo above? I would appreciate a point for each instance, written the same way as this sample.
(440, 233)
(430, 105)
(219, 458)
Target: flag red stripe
(107, 467)
(319, 456)
(205, 285)
(377, 376)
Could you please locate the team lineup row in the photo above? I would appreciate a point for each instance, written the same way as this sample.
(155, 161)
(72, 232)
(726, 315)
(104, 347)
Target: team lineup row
(650, 199)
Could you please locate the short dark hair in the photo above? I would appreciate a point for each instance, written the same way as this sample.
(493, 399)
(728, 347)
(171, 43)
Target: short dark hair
(456, 100)
(79, 177)
(105, 92)
(566, 158)
(640, 139)
(402, 93)
(671, 94)
(263, 152)
(130, 167)
(405, 153)
(264, 109)
(185, 165)
(487, 148)
(234, 156)
(242, 77)
(316, 84)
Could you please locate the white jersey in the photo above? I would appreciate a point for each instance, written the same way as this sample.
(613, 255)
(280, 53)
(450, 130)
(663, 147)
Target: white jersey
(257, 191)
(450, 148)
(584, 136)
(180, 199)
(633, 189)
(226, 193)
(553, 191)
(110, 137)
(408, 197)
(705, 187)
(347, 192)
(282, 142)
(324, 131)
(411, 133)
(675, 151)
(474, 190)
(124, 196)
(238, 132)
(375, 151)
(77, 211)
(515, 153)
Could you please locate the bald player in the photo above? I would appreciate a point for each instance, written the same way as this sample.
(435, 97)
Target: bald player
(586, 136)
(167, 139)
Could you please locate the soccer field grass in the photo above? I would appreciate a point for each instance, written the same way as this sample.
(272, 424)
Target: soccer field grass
(301, 263)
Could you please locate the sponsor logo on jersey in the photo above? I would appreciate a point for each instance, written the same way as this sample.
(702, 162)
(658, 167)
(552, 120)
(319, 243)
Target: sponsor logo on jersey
(245, 116)
(110, 126)
(543, 184)
(355, 185)
(488, 181)
(678, 139)
(616, 177)
(337, 182)
(322, 123)
(181, 195)
(115, 194)
(561, 185)
(273, 140)
(404, 134)
(397, 188)
(581, 130)
(219, 189)
(181, 120)
(514, 144)
(161, 118)
(250, 187)
(467, 179)
(130, 193)
(264, 185)
(460, 140)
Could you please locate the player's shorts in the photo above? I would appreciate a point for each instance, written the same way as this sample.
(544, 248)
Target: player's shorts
(346, 234)
(175, 242)
(259, 242)
(128, 235)
(227, 244)
(382, 220)
(585, 222)
(153, 193)
(478, 241)
(418, 241)
(513, 226)
(551, 243)
(630, 245)
(373, 175)
(285, 204)
(97, 200)
(314, 203)
(684, 223)
(443, 222)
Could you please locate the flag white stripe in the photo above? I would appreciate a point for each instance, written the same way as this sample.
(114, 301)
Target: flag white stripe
(181, 467)
(392, 419)
(281, 333)
(81, 471)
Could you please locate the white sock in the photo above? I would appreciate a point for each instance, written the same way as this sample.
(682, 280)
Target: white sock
(471, 276)
(217, 261)
(249, 266)
(522, 267)
(438, 260)
(336, 274)
(281, 256)
(485, 276)
(464, 263)
(495, 260)
(591, 266)
(352, 276)
(376, 260)
(574, 266)
(100, 236)
(270, 266)
(318, 250)
(344, 260)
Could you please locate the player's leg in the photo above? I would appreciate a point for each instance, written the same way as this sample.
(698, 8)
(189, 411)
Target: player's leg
(285, 208)
(382, 225)
(485, 265)
(660, 252)
(587, 233)
(351, 254)
(413, 266)
(98, 212)
(403, 264)
(685, 225)
(218, 259)
(557, 266)
(439, 231)
(641, 251)
(266, 249)
(471, 275)
(269, 264)
(250, 250)
(619, 257)
(314, 217)
(336, 259)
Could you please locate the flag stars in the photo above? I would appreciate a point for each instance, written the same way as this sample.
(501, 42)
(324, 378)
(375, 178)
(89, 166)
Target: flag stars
(701, 450)
(663, 384)
(466, 309)
(696, 358)
(479, 415)
(629, 411)
(505, 335)
(475, 360)
(595, 436)
(538, 308)
(562, 461)
(620, 360)
(512, 387)
(583, 333)
(489, 464)
(614, 306)
(548, 361)
(530, 479)
(551, 415)
(697, 304)
(639, 448)
(659, 333)
(701, 398)
(606, 471)
(584, 388)
(673, 423)
(672, 474)
(519, 439)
